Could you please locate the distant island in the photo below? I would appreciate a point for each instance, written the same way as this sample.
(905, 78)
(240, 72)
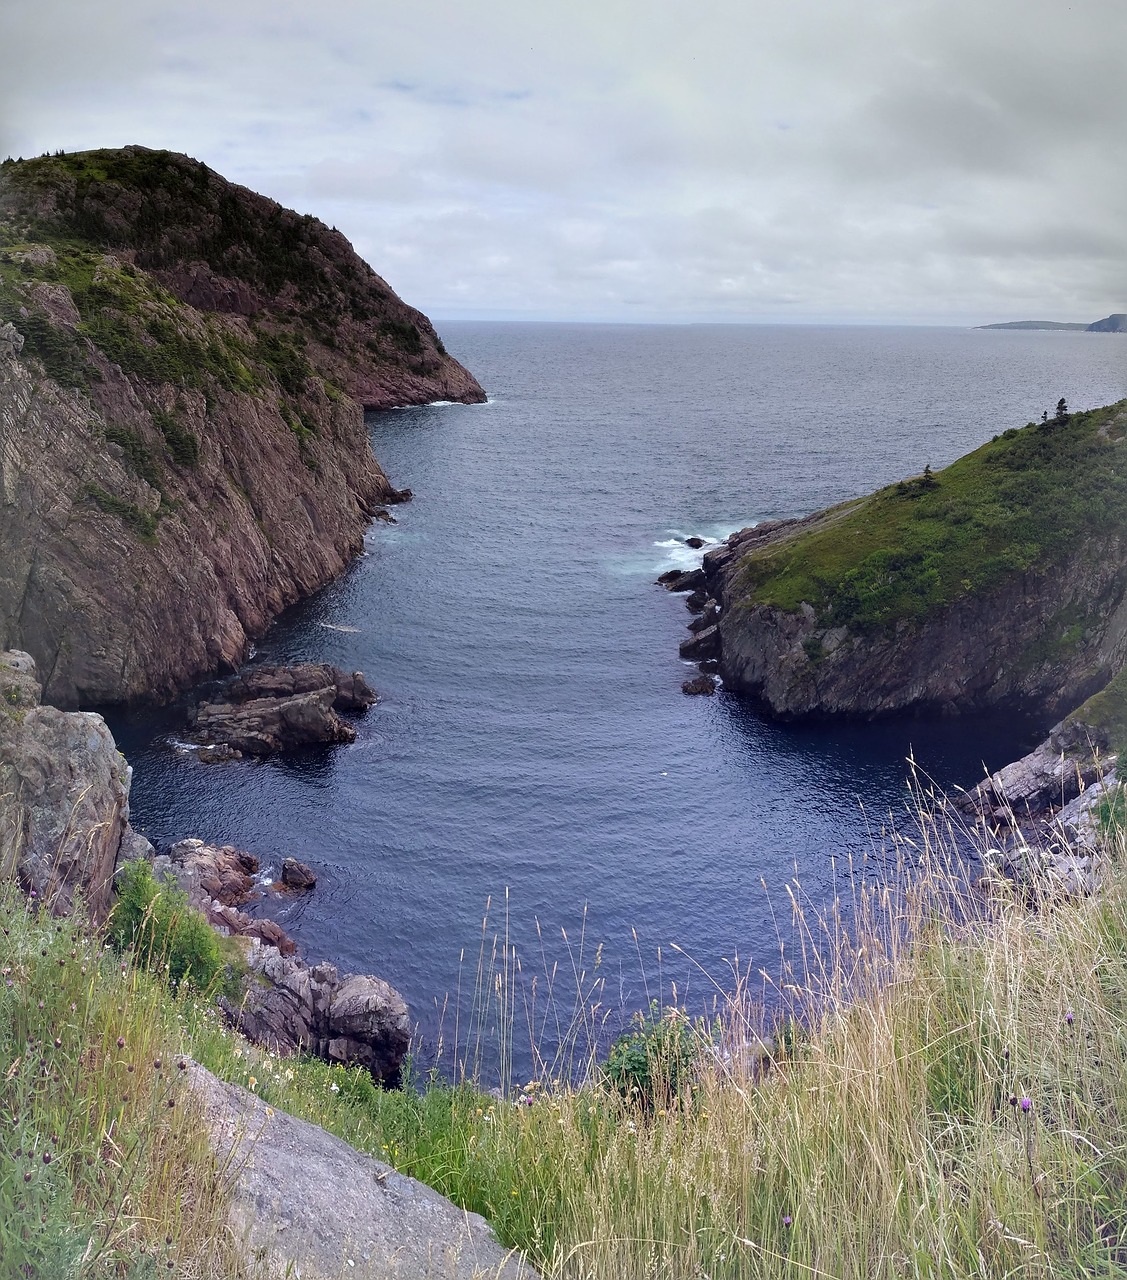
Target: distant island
(1116, 323)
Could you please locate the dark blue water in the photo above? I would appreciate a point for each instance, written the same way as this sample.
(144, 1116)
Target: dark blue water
(532, 736)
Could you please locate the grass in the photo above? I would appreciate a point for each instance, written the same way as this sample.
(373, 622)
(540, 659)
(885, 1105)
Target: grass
(948, 1100)
(1019, 504)
(103, 1168)
(947, 1097)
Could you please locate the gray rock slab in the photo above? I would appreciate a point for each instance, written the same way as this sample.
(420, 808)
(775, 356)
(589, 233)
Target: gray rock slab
(305, 1200)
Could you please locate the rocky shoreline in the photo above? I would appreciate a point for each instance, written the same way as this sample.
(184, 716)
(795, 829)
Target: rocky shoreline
(1037, 820)
(65, 832)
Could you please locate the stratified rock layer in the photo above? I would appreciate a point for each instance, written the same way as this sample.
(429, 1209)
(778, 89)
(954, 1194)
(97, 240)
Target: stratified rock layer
(182, 447)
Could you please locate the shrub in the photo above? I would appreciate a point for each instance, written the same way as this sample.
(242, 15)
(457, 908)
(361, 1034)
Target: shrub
(163, 930)
(652, 1063)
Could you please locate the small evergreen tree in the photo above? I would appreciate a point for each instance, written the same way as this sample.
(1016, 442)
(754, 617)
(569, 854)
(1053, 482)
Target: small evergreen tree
(1062, 410)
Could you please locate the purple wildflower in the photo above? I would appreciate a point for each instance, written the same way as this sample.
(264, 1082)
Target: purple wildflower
(787, 1219)
(1026, 1104)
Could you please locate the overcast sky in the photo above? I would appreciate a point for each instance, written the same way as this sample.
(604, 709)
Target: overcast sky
(856, 160)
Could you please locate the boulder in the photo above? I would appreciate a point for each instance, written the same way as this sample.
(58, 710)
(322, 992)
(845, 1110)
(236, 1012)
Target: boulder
(694, 542)
(296, 875)
(64, 795)
(699, 685)
(696, 600)
(354, 1018)
(305, 1203)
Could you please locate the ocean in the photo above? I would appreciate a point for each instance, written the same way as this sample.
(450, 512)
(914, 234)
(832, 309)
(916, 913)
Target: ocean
(533, 778)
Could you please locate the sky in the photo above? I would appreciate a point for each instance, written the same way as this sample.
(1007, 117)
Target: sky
(852, 161)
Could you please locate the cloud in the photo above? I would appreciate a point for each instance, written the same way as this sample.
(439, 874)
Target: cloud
(732, 160)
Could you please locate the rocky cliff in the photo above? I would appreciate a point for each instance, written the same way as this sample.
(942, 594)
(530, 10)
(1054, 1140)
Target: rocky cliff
(183, 366)
(64, 797)
(998, 582)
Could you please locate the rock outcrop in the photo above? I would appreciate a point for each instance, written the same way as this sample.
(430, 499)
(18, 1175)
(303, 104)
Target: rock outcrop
(351, 1018)
(182, 448)
(999, 582)
(271, 709)
(64, 796)
(309, 1205)
(286, 1005)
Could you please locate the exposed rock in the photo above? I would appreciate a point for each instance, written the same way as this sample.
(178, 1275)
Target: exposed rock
(356, 1018)
(296, 875)
(699, 684)
(192, 458)
(218, 754)
(214, 871)
(705, 644)
(677, 580)
(64, 795)
(263, 726)
(353, 692)
(694, 542)
(670, 575)
(708, 617)
(312, 1206)
(219, 879)
(696, 600)
(1049, 777)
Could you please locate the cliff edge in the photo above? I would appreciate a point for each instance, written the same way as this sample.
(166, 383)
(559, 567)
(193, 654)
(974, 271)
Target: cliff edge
(1000, 581)
(183, 367)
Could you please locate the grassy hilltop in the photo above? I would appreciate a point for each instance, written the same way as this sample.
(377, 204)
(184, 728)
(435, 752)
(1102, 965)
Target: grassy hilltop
(1020, 502)
(994, 582)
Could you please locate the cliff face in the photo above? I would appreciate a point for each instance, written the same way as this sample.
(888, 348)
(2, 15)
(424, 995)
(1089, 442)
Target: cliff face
(182, 448)
(64, 796)
(999, 582)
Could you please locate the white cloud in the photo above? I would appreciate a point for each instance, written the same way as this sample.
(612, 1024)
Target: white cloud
(851, 159)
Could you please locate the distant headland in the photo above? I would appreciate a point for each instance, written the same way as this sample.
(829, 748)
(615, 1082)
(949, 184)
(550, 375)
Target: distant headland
(1116, 323)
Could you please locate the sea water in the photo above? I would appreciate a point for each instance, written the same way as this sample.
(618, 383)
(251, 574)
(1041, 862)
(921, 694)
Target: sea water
(532, 749)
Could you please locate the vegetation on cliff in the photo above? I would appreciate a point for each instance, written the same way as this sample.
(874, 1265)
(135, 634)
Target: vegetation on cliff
(1022, 501)
(138, 235)
(182, 369)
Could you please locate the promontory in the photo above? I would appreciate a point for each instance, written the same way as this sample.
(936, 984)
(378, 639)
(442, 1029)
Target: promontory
(184, 366)
(997, 582)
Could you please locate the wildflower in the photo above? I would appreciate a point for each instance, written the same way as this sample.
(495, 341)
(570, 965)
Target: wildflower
(1026, 1104)
(252, 1081)
(1068, 1017)
(334, 1087)
(787, 1219)
(121, 1042)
